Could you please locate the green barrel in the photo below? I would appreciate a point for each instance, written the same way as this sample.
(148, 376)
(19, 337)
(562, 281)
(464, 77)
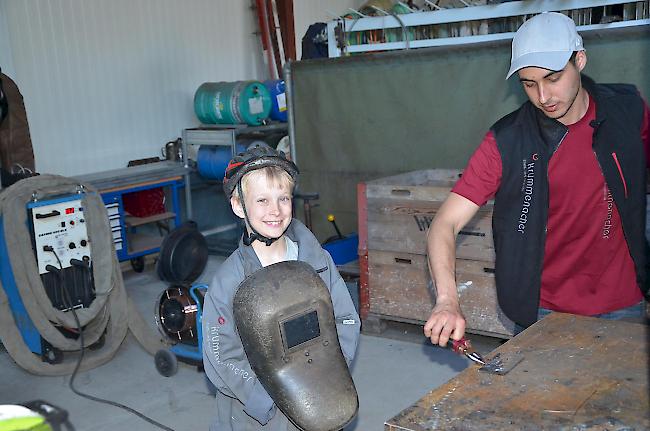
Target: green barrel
(232, 103)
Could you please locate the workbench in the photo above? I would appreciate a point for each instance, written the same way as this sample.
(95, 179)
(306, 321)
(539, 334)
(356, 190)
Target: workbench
(129, 240)
(578, 373)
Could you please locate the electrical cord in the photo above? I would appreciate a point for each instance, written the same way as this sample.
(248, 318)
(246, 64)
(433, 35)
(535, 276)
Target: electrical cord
(81, 354)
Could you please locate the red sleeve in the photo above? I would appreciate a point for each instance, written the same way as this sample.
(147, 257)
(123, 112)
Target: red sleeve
(482, 176)
(645, 132)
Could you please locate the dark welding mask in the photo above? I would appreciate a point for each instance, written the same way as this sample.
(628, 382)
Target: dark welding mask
(286, 323)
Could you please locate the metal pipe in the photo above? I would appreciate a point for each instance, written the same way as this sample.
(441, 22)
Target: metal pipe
(188, 186)
(291, 121)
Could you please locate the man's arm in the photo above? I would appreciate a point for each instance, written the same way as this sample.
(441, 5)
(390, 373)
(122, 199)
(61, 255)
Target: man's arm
(446, 319)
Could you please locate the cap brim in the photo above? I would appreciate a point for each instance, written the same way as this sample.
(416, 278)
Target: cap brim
(546, 60)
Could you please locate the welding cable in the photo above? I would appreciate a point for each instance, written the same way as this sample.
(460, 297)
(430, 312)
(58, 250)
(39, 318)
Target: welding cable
(111, 315)
(82, 350)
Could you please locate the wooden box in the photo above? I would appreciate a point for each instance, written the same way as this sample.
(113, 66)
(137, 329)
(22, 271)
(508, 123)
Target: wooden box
(401, 289)
(394, 217)
(400, 209)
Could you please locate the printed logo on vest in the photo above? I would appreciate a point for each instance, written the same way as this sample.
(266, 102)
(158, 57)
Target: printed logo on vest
(528, 168)
(607, 227)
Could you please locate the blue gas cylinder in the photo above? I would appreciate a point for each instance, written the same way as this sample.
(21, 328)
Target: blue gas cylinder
(212, 160)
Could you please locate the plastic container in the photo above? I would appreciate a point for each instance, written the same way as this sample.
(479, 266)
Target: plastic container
(236, 102)
(278, 99)
(343, 250)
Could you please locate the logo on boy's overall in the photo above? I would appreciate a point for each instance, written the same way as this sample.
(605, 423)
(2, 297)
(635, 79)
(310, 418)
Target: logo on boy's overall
(221, 320)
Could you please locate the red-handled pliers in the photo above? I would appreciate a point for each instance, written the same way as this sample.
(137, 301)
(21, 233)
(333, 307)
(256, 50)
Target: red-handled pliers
(464, 347)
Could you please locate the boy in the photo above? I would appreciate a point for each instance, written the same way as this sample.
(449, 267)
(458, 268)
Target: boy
(259, 183)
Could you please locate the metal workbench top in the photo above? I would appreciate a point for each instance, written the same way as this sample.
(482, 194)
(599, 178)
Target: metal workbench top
(133, 175)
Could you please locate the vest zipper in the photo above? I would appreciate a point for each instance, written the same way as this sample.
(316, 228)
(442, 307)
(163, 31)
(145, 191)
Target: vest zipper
(620, 172)
(548, 164)
(558, 146)
(548, 202)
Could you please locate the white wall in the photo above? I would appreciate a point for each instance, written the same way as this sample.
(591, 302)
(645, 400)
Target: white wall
(108, 81)
(6, 62)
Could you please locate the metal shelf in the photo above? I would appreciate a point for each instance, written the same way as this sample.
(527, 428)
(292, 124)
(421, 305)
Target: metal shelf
(375, 31)
(139, 244)
(221, 135)
(132, 221)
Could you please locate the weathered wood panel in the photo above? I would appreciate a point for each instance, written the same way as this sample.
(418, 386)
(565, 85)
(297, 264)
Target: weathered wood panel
(578, 373)
(478, 299)
(400, 225)
(402, 207)
(400, 286)
(425, 185)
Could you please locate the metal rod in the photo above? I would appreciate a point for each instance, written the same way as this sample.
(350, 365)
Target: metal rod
(291, 121)
(186, 164)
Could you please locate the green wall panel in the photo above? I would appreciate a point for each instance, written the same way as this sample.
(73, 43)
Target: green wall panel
(369, 116)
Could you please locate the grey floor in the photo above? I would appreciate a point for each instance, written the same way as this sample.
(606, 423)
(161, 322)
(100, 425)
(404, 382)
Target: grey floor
(391, 372)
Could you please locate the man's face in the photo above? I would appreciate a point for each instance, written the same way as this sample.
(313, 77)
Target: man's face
(555, 92)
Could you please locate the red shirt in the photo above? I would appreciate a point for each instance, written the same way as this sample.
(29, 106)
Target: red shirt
(587, 268)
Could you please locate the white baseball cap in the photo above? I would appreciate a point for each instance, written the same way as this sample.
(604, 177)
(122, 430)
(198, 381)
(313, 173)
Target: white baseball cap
(546, 40)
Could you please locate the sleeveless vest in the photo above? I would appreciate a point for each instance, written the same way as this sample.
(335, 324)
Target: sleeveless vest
(526, 140)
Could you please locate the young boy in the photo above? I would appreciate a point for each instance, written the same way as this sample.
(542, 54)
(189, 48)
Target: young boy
(259, 183)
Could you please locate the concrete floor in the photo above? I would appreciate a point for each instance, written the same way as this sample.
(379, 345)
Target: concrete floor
(391, 372)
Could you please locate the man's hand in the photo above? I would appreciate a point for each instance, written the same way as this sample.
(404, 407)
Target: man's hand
(446, 322)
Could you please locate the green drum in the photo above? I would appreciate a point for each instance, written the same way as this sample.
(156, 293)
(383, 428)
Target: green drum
(232, 103)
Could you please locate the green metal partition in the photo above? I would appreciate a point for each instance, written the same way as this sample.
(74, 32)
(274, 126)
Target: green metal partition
(369, 116)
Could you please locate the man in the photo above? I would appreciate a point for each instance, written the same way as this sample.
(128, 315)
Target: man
(567, 172)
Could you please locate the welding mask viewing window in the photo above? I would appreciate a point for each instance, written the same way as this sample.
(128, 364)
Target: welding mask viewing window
(286, 323)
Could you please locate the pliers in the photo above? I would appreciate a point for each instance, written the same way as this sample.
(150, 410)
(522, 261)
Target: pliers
(494, 365)
(464, 347)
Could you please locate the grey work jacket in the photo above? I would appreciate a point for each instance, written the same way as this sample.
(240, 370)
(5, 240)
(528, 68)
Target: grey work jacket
(224, 360)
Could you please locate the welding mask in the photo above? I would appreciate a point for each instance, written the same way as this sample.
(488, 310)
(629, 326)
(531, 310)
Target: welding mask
(286, 323)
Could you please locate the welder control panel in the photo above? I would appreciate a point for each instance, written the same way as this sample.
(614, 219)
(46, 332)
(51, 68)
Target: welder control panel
(60, 227)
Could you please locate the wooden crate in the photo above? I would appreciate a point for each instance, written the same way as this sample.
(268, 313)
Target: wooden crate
(400, 288)
(394, 217)
(401, 208)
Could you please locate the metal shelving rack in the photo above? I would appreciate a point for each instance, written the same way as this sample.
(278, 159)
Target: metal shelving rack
(220, 135)
(447, 27)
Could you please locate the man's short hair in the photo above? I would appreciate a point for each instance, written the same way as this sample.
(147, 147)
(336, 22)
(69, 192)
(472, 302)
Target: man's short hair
(546, 40)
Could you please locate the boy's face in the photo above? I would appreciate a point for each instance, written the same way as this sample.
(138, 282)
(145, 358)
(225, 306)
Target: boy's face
(268, 205)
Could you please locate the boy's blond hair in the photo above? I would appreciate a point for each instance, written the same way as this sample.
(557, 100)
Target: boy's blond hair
(274, 175)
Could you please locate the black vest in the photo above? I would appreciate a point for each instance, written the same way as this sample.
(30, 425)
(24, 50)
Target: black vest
(526, 140)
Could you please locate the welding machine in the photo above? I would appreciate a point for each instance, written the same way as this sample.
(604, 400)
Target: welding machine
(59, 238)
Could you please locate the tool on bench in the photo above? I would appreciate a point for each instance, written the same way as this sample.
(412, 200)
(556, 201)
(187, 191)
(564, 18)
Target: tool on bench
(464, 347)
(496, 365)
